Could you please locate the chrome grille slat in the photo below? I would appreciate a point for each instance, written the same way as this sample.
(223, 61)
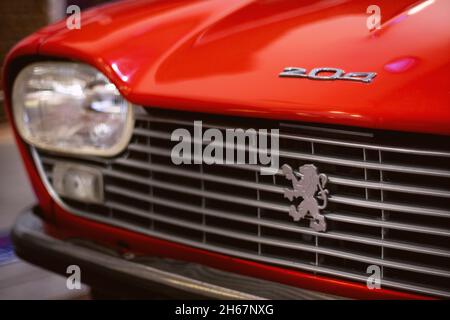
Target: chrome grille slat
(373, 214)
(277, 225)
(324, 159)
(389, 187)
(332, 179)
(390, 206)
(197, 192)
(273, 206)
(303, 138)
(333, 216)
(390, 225)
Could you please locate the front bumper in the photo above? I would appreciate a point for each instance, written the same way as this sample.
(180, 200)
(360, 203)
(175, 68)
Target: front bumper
(142, 277)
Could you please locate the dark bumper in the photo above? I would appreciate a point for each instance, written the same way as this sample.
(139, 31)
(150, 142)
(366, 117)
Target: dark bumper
(149, 277)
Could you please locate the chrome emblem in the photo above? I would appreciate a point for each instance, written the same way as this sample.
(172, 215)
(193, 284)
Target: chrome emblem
(310, 185)
(335, 74)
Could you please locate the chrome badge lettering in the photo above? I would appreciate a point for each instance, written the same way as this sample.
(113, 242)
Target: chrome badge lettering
(331, 74)
(310, 185)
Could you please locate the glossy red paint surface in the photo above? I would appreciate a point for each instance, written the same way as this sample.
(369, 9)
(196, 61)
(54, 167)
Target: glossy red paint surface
(225, 56)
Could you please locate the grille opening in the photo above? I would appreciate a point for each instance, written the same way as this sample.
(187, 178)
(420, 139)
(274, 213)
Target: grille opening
(181, 232)
(295, 145)
(231, 207)
(128, 201)
(288, 236)
(166, 161)
(281, 181)
(436, 182)
(327, 131)
(126, 184)
(277, 198)
(141, 124)
(131, 218)
(416, 219)
(142, 173)
(434, 241)
(163, 144)
(179, 197)
(374, 195)
(341, 171)
(229, 172)
(429, 281)
(373, 175)
(354, 229)
(372, 155)
(346, 191)
(412, 140)
(139, 156)
(180, 214)
(279, 216)
(178, 181)
(267, 179)
(421, 259)
(288, 254)
(236, 226)
(137, 139)
(422, 161)
(412, 199)
(170, 127)
(351, 247)
(357, 267)
(295, 164)
(225, 189)
(231, 243)
(338, 151)
(354, 211)
(249, 159)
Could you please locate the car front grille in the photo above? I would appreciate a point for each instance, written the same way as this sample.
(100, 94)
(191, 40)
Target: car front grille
(389, 201)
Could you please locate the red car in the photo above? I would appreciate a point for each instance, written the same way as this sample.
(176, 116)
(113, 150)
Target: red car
(358, 205)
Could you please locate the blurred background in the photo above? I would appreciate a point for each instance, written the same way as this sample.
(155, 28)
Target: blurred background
(19, 280)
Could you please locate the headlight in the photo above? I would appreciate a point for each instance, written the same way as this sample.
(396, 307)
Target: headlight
(71, 108)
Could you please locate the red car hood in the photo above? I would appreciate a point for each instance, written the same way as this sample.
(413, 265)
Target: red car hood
(225, 57)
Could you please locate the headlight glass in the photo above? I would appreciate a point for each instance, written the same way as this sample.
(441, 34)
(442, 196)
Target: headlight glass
(71, 108)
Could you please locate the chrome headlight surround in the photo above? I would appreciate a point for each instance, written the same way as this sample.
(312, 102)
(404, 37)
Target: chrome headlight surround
(71, 108)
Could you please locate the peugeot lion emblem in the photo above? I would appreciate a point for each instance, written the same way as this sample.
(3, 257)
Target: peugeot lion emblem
(310, 185)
